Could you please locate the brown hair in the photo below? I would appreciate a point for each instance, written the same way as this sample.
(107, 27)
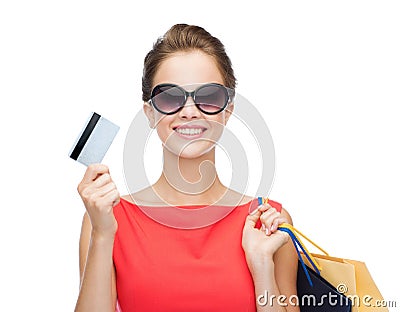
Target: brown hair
(183, 37)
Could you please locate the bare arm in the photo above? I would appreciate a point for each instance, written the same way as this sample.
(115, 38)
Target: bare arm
(271, 259)
(285, 259)
(97, 274)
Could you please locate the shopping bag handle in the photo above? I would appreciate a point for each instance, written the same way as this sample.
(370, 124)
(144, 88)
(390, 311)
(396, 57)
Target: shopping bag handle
(293, 233)
(296, 232)
(298, 246)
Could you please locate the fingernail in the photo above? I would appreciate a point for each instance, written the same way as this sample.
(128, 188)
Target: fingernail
(267, 231)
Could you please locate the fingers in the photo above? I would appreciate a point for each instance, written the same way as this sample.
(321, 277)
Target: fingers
(93, 171)
(97, 187)
(95, 177)
(102, 180)
(265, 241)
(99, 194)
(105, 189)
(112, 197)
(270, 218)
(251, 219)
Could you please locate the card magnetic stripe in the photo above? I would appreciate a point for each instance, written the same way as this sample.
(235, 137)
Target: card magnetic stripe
(85, 136)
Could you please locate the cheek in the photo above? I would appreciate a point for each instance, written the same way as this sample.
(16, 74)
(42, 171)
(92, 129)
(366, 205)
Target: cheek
(217, 128)
(163, 126)
(219, 118)
(162, 134)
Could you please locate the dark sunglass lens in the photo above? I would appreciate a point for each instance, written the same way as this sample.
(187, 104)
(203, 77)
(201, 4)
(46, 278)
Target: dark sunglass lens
(168, 99)
(211, 98)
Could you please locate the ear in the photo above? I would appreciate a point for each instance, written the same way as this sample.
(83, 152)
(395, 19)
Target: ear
(149, 111)
(229, 111)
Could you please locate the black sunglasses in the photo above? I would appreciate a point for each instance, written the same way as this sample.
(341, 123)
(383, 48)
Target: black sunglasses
(210, 98)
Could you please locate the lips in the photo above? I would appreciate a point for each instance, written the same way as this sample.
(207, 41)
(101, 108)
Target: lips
(191, 131)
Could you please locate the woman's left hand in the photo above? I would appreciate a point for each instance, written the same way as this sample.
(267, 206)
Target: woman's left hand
(261, 244)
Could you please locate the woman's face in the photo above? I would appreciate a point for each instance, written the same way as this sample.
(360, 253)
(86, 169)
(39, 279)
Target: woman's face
(188, 70)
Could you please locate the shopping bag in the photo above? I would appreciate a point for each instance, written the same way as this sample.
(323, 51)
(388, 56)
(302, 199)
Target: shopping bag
(321, 295)
(349, 277)
(353, 279)
(314, 293)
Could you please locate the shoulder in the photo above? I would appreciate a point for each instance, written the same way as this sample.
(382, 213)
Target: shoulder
(278, 206)
(287, 215)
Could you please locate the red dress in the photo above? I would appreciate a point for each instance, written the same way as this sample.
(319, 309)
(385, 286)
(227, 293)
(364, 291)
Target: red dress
(163, 268)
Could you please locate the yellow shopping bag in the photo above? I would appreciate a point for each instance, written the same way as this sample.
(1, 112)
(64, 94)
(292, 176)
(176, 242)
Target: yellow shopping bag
(350, 277)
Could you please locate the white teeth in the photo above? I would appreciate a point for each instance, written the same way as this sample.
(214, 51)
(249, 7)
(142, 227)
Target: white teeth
(189, 131)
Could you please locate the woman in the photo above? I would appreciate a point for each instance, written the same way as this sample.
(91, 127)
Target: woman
(130, 258)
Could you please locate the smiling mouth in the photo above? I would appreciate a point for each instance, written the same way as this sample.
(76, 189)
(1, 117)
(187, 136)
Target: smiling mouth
(189, 131)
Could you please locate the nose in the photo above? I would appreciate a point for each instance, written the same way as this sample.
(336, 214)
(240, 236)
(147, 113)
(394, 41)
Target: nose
(189, 110)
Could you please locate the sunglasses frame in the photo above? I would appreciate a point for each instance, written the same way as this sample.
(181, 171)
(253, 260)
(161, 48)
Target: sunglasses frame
(230, 93)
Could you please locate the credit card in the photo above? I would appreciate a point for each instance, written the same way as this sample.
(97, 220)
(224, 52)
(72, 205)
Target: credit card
(94, 140)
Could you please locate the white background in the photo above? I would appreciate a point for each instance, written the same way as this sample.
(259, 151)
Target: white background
(325, 76)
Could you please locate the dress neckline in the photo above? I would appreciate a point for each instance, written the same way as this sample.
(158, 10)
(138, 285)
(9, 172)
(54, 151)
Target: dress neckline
(196, 206)
(190, 216)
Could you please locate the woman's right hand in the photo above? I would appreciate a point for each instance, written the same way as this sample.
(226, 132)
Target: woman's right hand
(99, 195)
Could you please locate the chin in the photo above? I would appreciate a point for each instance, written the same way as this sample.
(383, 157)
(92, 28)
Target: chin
(191, 151)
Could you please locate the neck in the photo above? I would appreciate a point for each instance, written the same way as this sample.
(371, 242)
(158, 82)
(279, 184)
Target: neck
(189, 180)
